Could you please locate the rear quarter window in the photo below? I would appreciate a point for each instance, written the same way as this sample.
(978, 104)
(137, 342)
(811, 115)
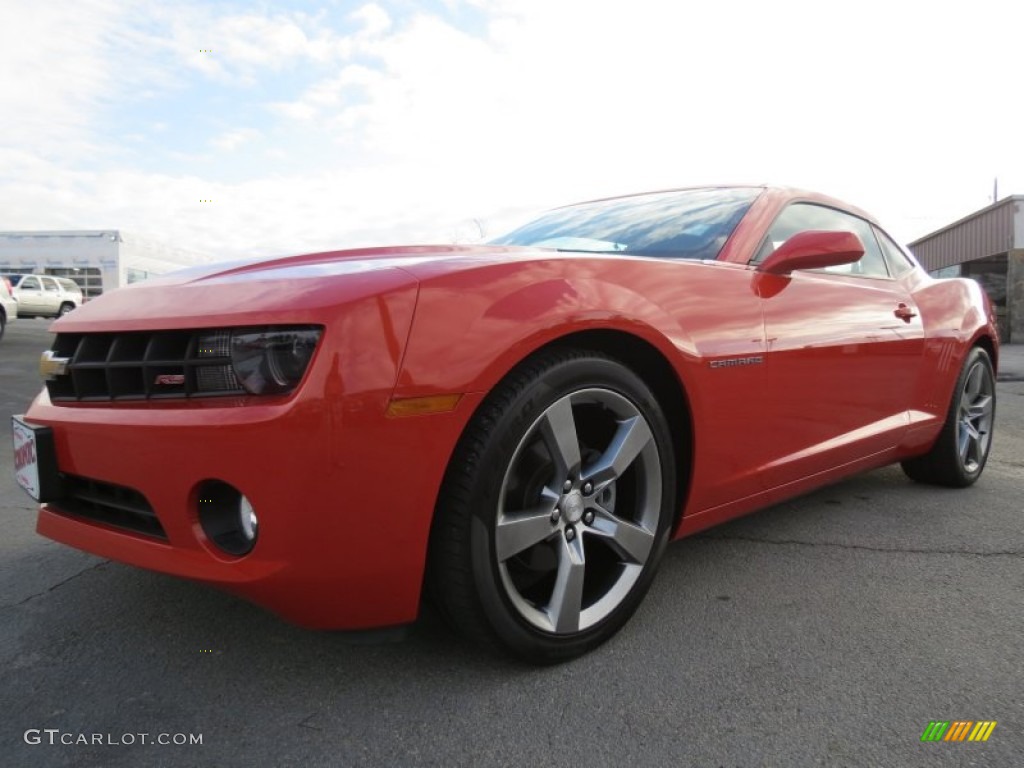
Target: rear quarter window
(898, 261)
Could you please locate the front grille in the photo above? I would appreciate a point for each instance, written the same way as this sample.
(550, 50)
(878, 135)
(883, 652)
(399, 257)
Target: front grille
(141, 365)
(107, 503)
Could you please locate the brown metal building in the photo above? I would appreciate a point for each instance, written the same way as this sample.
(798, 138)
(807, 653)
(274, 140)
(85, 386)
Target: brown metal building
(987, 245)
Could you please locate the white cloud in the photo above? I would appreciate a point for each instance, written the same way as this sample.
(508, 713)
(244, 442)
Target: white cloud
(905, 109)
(231, 140)
(55, 72)
(230, 48)
(258, 218)
(375, 19)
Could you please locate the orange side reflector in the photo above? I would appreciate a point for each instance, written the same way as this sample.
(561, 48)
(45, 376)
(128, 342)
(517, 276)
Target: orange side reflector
(421, 406)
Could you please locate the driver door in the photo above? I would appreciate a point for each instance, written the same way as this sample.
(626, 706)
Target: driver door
(844, 350)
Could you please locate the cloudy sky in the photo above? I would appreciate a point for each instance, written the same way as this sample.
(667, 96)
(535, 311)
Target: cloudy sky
(261, 128)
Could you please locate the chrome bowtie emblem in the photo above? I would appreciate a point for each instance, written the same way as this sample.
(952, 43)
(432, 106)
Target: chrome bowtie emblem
(573, 507)
(51, 366)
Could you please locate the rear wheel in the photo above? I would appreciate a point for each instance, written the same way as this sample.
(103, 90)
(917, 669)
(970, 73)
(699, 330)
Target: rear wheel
(65, 308)
(555, 509)
(961, 450)
(3, 323)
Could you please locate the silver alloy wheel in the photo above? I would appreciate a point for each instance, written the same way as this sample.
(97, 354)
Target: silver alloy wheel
(974, 424)
(578, 511)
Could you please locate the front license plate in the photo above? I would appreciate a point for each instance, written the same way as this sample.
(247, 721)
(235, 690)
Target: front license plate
(35, 463)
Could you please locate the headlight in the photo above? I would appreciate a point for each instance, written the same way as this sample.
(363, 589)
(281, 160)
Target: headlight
(264, 361)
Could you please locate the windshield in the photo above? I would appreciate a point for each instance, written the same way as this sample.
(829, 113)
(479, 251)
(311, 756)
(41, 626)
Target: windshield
(686, 224)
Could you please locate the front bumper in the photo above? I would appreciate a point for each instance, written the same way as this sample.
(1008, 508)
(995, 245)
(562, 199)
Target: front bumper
(344, 495)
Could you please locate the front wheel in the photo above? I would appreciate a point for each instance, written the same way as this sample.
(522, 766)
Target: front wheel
(961, 450)
(555, 509)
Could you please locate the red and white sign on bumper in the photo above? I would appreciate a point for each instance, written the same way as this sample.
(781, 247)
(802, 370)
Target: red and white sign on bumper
(26, 462)
(35, 465)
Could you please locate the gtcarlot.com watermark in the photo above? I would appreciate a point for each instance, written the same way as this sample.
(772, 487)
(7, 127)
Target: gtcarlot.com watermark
(55, 736)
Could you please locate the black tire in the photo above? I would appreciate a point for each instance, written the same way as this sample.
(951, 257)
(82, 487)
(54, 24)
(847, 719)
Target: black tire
(3, 323)
(65, 308)
(506, 472)
(958, 457)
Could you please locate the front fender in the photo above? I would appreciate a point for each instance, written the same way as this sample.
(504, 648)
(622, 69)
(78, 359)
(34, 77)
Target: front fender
(466, 338)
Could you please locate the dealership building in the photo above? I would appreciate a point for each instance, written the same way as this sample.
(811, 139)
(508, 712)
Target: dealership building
(987, 245)
(98, 260)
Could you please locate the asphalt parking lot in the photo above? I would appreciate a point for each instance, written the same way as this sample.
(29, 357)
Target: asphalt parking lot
(827, 631)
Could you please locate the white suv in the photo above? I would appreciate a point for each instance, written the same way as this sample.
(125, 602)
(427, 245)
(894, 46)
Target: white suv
(45, 296)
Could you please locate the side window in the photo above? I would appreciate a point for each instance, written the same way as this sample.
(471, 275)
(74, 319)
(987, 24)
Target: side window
(898, 261)
(800, 217)
(29, 284)
(50, 285)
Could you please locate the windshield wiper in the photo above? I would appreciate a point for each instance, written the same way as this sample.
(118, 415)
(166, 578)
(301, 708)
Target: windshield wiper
(584, 250)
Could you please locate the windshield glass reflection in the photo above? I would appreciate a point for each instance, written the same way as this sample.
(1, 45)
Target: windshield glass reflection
(685, 224)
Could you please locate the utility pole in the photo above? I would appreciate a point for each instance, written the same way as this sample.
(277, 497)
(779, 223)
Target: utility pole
(995, 189)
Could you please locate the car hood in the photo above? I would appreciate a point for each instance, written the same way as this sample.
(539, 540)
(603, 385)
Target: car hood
(346, 262)
(261, 291)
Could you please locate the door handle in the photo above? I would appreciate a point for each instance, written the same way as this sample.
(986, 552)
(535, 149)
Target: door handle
(905, 313)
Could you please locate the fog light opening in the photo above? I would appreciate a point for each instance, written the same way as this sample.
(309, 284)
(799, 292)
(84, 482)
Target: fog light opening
(227, 517)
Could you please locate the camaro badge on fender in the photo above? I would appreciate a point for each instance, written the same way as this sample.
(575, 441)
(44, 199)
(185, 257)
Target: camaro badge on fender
(733, 361)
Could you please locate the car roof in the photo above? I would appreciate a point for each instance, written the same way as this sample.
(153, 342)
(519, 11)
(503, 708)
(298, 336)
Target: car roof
(783, 193)
(664, 191)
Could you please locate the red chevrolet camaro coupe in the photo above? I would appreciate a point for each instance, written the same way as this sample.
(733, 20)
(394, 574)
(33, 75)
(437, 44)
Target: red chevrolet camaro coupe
(517, 429)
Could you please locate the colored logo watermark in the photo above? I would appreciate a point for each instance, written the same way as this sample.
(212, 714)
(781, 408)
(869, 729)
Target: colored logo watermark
(958, 730)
